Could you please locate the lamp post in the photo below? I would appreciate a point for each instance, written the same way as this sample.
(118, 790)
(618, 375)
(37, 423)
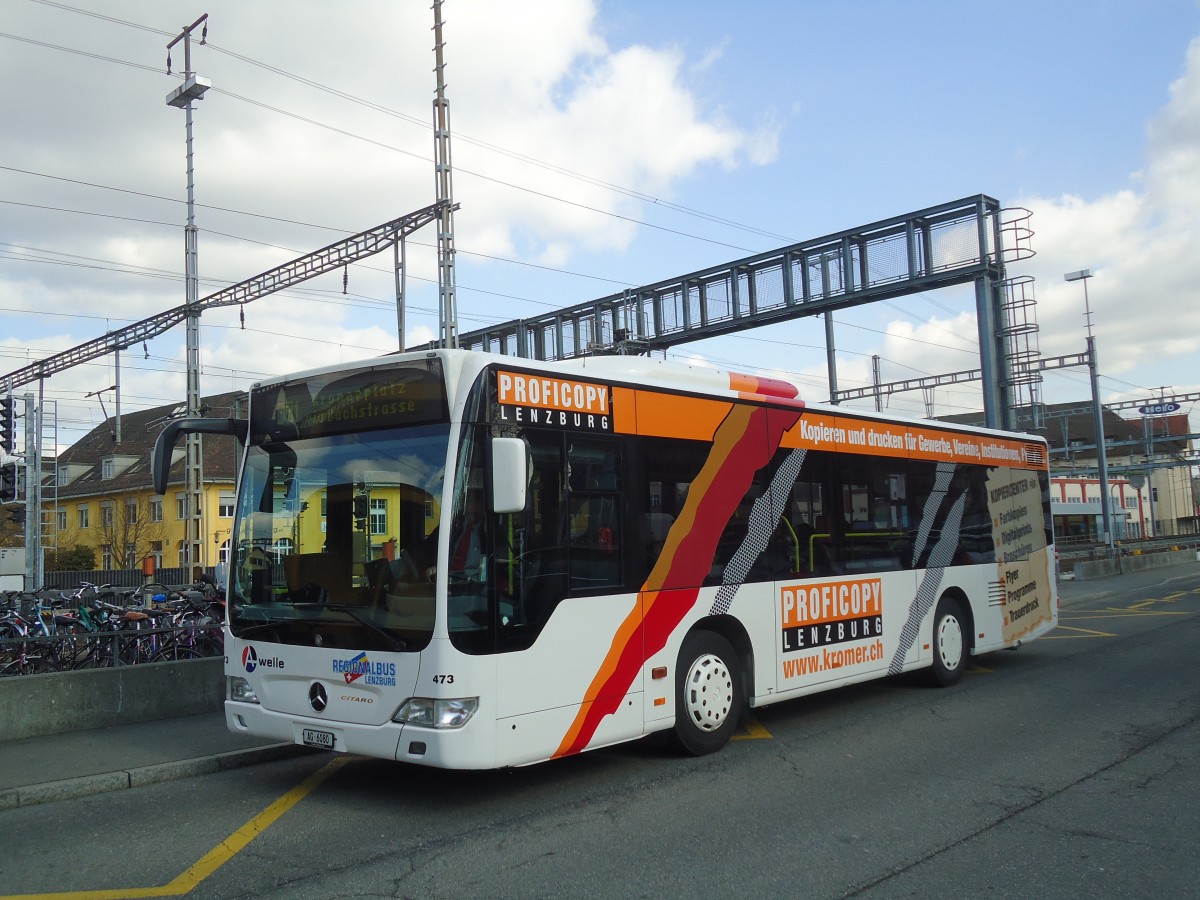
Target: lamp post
(1097, 411)
(182, 97)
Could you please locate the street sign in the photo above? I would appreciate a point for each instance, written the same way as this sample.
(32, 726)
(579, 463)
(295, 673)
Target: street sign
(1158, 409)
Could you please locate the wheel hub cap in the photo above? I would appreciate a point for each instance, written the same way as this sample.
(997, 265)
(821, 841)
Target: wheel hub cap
(709, 694)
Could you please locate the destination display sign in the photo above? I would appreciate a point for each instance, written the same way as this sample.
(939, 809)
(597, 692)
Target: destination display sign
(379, 397)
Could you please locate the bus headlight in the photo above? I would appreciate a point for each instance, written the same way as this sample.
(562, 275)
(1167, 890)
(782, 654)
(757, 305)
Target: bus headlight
(240, 690)
(429, 712)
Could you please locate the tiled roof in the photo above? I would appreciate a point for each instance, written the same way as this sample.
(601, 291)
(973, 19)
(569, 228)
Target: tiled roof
(139, 430)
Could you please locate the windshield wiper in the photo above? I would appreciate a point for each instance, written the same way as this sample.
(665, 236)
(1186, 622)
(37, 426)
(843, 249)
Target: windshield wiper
(357, 615)
(243, 630)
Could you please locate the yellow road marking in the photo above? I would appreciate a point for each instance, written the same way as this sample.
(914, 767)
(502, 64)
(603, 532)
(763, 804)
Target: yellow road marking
(1083, 633)
(754, 732)
(1114, 612)
(212, 860)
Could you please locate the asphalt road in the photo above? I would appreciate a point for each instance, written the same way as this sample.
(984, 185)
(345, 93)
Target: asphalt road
(1070, 768)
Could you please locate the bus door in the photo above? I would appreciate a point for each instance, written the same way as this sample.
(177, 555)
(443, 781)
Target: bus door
(559, 582)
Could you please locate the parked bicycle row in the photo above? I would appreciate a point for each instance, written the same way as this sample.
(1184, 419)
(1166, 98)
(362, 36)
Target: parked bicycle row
(95, 626)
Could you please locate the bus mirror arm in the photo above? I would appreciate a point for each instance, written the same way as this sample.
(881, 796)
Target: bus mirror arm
(510, 475)
(164, 447)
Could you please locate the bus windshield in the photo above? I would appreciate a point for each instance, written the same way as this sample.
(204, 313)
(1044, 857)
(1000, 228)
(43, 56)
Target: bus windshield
(335, 534)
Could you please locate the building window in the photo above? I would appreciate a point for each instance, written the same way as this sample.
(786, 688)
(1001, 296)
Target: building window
(83, 516)
(181, 506)
(156, 552)
(106, 517)
(130, 512)
(130, 556)
(378, 516)
(156, 514)
(60, 520)
(106, 559)
(106, 469)
(225, 505)
(183, 555)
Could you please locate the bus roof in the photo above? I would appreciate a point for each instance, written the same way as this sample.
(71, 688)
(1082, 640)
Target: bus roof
(644, 371)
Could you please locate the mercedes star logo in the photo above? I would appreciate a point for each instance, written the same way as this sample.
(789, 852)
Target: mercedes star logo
(317, 698)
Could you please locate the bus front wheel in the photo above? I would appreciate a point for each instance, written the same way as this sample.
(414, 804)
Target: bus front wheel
(949, 643)
(708, 694)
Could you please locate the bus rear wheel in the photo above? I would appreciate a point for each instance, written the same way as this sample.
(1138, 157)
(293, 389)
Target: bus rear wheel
(949, 643)
(709, 695)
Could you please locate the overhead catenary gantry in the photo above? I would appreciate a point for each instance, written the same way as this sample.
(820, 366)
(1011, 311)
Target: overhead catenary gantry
(940, 246)
(327, 259)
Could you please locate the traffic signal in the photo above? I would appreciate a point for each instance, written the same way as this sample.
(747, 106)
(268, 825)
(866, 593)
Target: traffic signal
(16, 516)
(8, 482)
(8, 425)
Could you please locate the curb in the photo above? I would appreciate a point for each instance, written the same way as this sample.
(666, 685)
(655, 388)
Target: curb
(87, 785)
(1100, 592)
(1065, 602)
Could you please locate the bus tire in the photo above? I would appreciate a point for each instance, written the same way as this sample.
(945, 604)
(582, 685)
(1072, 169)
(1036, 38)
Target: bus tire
(709, 695)
(949, 643)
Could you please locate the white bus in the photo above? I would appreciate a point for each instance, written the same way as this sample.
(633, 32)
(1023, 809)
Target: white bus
(465, 560)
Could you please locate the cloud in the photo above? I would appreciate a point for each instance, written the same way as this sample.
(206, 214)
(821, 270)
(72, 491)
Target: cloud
(711, 56)
(533, 99)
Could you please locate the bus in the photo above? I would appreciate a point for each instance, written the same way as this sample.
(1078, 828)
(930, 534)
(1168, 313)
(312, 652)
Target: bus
(467, 560)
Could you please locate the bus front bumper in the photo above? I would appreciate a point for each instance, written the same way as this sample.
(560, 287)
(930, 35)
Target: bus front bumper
(467, 747)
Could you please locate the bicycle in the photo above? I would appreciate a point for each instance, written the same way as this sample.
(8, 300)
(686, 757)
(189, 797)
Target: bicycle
(28, 644)
(196, 634)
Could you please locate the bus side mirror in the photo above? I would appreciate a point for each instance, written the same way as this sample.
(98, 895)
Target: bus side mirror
(509, 475)
(160, 456)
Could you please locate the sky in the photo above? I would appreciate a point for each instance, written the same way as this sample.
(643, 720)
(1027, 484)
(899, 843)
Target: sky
(597, 145)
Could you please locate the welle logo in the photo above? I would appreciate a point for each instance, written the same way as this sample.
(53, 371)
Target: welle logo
(250, 660)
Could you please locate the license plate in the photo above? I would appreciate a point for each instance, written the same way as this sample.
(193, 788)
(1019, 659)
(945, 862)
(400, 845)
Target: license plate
(314, 738)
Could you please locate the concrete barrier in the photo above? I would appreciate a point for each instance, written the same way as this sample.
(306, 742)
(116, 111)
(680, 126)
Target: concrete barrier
(1102, 568)
(54, 703)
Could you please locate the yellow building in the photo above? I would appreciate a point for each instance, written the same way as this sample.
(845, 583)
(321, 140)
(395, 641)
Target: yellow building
(101, 495)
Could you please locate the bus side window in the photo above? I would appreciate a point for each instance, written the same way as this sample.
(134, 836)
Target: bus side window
(806, 519)
(595, 514)
(531, 559)
(671, 465)
(975, 544)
